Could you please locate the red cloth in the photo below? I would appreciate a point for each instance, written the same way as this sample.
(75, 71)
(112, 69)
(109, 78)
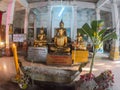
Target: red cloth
(0, 18)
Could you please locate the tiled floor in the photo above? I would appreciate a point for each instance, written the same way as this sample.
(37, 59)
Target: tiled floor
(102, 63)
(7, 71)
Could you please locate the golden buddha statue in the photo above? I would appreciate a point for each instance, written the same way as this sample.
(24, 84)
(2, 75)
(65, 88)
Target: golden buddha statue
(60, 41)
(10, 29)
(79, 43)
(41, 39)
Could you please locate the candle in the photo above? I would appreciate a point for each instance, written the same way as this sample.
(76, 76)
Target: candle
(14, 49)
(1, 44)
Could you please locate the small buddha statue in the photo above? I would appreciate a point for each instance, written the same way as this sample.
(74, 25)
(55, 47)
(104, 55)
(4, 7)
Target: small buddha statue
(80, 44)
(60, 41)
(10, 29)
(41, 39)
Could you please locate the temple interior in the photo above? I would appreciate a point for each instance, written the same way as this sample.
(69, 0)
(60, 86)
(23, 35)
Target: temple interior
(59, 44)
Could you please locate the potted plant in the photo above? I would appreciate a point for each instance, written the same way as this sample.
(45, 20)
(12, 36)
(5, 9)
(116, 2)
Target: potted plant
(97, 35)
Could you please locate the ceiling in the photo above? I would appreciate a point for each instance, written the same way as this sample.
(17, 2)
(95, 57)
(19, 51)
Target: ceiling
(32, 1)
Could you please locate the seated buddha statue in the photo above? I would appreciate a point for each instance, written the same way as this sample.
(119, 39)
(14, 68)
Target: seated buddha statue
(41, 39)
(60, 41)
(79, 43)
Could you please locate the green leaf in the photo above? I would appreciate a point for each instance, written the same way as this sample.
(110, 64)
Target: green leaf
(100, 23)
(108, 36)
(102, 32)
(87, 30)
(96, 24)
(80, 31)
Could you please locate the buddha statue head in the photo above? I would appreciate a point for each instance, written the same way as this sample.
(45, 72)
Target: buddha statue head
(79, 37)
(61, 32)
(78, 34)
(61, 24)
(42, 30)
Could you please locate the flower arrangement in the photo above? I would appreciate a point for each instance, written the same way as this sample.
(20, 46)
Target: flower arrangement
(105, 79)
(89, 82)
(23, 82)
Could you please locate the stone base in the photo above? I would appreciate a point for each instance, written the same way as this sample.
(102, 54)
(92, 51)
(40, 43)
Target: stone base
(49, 74)
(79, 56)
(59, 59)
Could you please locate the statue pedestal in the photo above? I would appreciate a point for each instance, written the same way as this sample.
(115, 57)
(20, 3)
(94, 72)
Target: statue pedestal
(59, 59)
(37, 54)
(79, 56)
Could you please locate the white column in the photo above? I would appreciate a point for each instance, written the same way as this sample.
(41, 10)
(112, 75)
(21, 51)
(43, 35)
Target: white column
(49, 28)
(114, 54)
(97, 13)
(35, 27)
(75, 23)
(26, 20)
(9, 20)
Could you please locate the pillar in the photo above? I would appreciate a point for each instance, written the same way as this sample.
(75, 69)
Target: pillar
(26, 20)
(49, 28)
(114, 53)
(9, 22)
(97, 13)
(35, 27)
(75, 23)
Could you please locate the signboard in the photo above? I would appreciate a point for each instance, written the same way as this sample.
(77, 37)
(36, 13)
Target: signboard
(59, 59)
(40, 54)
(19, 37)
(37, 54)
